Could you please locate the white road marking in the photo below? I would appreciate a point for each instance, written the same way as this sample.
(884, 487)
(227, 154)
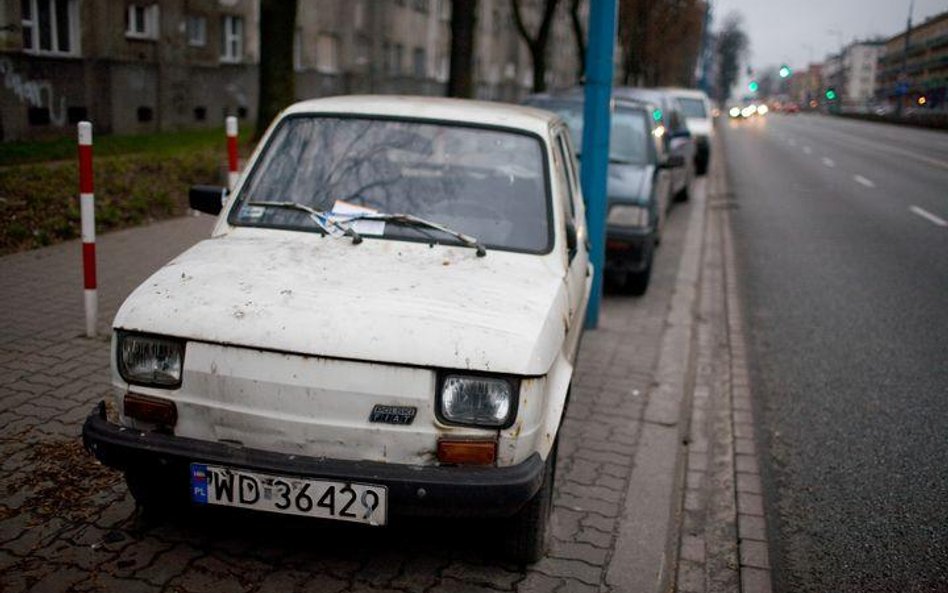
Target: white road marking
(807, 150)
(792, 141)
(863, 181)
(929, 216)
(828, 162)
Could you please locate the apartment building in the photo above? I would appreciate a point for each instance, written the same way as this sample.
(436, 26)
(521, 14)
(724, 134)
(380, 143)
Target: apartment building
(130, 67)
(924, 78)
(859, 66)
(134, 66)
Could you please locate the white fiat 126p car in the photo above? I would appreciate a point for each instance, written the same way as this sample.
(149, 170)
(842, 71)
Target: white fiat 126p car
(384, 322)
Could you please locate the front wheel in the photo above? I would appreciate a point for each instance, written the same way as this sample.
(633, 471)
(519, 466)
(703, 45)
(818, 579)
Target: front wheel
(529, 530)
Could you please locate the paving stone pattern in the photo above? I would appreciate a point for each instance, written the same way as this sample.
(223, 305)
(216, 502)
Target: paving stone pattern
(69, 524)
(723, 546)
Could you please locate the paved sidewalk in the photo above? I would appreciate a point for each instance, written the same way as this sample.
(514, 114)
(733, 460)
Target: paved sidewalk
(68, 524)
(723, 546)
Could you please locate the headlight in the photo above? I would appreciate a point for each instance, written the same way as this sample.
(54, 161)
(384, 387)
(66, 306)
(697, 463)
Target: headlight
(625, 215)
(477, 401)
(149, 360)
(735, 111)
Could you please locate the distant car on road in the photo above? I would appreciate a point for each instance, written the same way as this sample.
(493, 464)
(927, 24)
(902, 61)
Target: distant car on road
(385, 322)
(699, 117)
(677, 139)
(639, 184)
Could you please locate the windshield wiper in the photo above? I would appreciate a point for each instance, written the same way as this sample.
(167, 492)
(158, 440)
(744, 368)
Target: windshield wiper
(324, 220)
(411, 220)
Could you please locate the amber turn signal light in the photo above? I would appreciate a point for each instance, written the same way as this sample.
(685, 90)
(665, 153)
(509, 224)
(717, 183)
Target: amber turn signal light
(154, 410)
(465, 452)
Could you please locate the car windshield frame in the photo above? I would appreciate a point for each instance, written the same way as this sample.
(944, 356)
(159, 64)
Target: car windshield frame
(627, 106)
(442, 239)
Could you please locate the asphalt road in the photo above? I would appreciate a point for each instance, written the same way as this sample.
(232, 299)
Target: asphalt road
(843, 254)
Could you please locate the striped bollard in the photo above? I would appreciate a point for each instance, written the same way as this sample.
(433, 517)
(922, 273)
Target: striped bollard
(232, 172)
(87, 216)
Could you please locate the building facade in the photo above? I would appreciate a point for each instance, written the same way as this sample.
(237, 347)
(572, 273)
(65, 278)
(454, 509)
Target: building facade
(916, 75)
(859, 67)
(136, 66)
(130, 67)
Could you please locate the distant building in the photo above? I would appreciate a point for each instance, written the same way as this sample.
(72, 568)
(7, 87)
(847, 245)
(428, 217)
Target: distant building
(133, 66)
(859, 72)
(925, 72)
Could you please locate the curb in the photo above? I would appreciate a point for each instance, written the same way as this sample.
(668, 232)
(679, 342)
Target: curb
(646, 547)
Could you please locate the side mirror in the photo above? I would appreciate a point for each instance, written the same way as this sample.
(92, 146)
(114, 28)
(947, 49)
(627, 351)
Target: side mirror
(207, 198)
(673, 161)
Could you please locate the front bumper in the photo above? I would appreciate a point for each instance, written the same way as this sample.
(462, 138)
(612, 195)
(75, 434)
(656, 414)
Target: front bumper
(412, 490)
(629, 249)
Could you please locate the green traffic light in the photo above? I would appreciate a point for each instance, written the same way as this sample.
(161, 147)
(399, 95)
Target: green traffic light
(657, 115)
(753, 86)
(785, 72)
(831, 94)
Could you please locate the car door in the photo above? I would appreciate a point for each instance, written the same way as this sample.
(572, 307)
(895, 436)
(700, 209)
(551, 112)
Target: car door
(578, 276)
(663, 184)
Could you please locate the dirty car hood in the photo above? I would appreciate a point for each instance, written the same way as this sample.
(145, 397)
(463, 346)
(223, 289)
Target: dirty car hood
(383, 301)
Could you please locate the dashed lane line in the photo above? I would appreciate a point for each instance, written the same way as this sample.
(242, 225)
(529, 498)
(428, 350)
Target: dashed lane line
(937, 221)
(863, 181)
(807, 150)
(829, 162)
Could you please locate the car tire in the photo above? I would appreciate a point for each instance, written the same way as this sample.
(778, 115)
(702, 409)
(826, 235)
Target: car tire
(684, 194)
(701, 167)
(636, 283)
(529, 530)
(151, 493)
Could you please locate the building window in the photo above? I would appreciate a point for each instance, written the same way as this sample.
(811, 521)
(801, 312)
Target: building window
(418, 63)
(298, 50)
(358, 15)
(397, 54)
(232, 38)
(197, 31)
(421, 5)
(50, 26)
(142, 21)
(327, 54)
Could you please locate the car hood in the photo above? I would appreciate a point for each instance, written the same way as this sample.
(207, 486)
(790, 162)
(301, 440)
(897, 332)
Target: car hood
(381, 301)
(630, 183)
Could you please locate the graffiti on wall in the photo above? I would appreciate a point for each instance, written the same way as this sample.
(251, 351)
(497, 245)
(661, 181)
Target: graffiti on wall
(35, 93)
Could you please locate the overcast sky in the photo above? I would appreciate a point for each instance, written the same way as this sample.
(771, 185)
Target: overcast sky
(800, 31)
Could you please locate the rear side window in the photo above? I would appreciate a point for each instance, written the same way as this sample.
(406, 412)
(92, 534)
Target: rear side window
(692, 107)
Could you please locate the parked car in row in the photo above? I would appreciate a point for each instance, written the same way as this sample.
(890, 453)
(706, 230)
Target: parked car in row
(639, 187)
(696, 107)
(676, 136)
(384, 322)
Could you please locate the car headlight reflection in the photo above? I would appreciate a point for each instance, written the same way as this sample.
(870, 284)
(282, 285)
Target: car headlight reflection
(477, 401)
(627, 215)
(150, 360)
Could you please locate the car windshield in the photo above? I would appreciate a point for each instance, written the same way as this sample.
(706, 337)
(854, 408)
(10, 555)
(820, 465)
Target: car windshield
(485, 182)
(692, 107)
(628, 138)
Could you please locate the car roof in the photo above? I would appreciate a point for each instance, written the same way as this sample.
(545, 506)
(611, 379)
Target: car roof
(466, 111)
(577, 95)
(682, 92)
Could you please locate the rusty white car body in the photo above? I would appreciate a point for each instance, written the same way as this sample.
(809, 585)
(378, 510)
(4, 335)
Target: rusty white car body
(289, 365)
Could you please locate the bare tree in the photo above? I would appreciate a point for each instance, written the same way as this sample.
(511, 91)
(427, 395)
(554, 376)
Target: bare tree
(536, 44)
(463, 29)
(731, 50)
(661, 40)
(580, 36)
(277, 78)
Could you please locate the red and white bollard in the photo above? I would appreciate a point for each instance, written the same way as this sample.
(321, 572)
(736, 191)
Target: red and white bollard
(232, 171)
(87, 216)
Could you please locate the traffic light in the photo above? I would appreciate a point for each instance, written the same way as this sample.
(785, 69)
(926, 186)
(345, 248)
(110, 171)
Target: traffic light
(830, 94)
(753, 86)
(785, 71)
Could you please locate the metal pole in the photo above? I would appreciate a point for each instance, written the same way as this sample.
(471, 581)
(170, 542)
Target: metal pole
(233, 171)
(596, 117)
(902, 75)
(87, 218)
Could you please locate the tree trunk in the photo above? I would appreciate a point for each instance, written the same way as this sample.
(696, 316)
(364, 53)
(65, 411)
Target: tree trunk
(580, 37)
(463, 27)
(277, 78)
(537, 45)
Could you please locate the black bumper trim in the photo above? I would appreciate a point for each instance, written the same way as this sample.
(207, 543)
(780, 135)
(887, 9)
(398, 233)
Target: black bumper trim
(448, 491)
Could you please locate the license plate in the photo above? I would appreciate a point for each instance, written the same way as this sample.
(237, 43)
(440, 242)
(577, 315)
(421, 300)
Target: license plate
(342, 501)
